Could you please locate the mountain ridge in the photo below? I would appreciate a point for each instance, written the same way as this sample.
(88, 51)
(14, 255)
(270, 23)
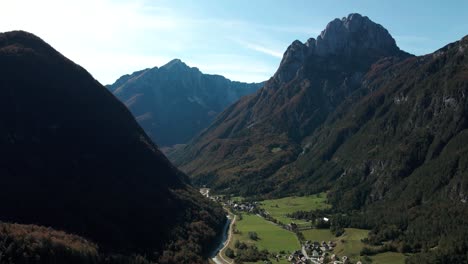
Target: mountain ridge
(174, 102)
(293, 103)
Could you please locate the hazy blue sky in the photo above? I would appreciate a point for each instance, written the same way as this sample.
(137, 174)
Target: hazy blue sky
(241, 39)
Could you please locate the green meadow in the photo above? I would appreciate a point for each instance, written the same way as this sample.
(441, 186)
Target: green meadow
(319, 235)
(275, 239)
(350, 244)
(271, 237)
(389, 258)
(279, 208)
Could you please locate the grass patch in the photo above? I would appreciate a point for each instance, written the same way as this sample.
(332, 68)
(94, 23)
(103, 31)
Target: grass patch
(279, 208)
(350, 244)
(389, 258)
(237, 199)
(271, 237)
(319, 235)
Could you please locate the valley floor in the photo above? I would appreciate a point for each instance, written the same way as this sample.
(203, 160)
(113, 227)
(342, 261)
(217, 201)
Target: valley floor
(282, 243)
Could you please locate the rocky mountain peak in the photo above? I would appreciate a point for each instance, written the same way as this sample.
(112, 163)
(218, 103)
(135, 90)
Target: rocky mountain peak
(354, 33)
(354, 36)
(293, 59)
(175, 64)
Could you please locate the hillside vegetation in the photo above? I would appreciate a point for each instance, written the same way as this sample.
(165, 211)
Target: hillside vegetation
(73, 158)
(383, 132)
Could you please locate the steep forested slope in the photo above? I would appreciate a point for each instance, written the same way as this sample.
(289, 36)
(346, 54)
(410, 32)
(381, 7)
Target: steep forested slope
(72, 157)
(383, 132)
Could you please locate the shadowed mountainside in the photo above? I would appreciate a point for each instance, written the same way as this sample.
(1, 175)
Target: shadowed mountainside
(72, 157)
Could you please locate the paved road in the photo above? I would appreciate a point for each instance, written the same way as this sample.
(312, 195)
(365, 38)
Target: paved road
(220, 259)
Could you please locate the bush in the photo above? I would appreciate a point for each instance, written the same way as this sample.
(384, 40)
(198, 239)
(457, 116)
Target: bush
(229, 253)
(253, 236)
(250, 254)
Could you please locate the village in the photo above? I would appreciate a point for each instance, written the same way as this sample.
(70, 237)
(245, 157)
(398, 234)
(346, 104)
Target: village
(314, 252)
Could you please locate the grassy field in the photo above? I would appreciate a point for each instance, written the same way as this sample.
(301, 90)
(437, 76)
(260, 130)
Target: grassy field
(271, 237)
(389, 258)
(279, 208)
(349, 244)
(319, 235)
(274, 239)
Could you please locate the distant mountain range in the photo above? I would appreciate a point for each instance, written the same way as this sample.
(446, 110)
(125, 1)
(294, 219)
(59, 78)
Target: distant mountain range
(175, 102)
(383, 131)
(73, 158)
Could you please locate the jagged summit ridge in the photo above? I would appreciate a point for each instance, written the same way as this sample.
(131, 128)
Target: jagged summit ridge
(176, 64)
(354, 36)
(354, 32)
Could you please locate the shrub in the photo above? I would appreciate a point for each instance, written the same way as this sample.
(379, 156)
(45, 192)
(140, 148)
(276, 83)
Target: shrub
(253, 236)
(229, 253)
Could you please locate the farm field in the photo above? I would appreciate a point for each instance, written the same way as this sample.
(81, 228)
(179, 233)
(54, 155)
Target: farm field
(271, 237)
(279, 208)
(276, 239)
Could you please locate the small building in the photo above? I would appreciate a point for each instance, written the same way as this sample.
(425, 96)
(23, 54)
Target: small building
(315, 254)
(344, 259)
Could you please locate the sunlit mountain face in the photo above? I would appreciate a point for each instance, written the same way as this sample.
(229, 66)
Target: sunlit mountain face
(350, 114)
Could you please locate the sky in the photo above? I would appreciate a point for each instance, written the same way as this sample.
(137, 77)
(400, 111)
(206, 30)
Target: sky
(243, 40)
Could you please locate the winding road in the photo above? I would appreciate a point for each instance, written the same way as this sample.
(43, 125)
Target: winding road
(220, 259)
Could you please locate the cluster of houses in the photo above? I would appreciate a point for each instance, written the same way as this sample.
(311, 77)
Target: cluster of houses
(315, 248)
(244, 206)
(317, 253)
(297, 257)
(206, 192)
(249, 207)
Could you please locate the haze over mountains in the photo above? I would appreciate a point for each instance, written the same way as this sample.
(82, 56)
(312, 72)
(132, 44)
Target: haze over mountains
(74, 158)
(175, 102)
(350, 113)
